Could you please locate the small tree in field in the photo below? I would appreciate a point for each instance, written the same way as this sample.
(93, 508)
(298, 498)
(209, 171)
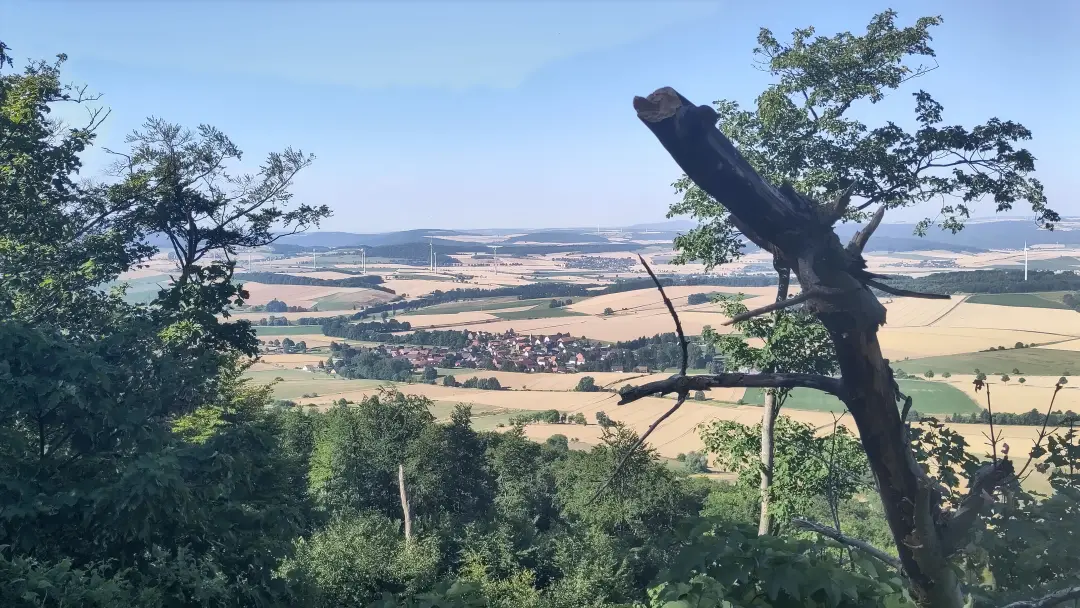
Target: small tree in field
(929, 373)
(608, 312)
(586, 385)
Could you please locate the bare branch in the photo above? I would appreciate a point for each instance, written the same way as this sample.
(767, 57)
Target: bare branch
(1042, 431)
(858, 242)
(637, 445)
(1053, 599)
(674, 316)
(839, 206)
(685, 384)
(847, 540)
(778, 305)
(904, 293)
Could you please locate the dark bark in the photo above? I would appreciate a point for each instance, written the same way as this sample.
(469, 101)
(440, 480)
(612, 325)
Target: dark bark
(800, 235)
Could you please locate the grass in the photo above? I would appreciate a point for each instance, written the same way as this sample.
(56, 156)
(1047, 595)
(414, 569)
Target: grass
(350, 300)
(928, 397)
(295, 383)
(1030, 361)
(287, 330)
(539, 312)
(1023, 300)
(472, 305)
(141, 290)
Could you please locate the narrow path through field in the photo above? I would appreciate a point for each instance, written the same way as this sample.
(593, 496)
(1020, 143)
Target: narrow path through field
(947, 312)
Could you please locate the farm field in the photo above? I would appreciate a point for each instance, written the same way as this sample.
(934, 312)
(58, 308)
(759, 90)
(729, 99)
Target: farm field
(928, 398)
(1015, 397)
(1030, 361)
(1062, 323)
(1022, 300)
(536, 312)
(287, 330)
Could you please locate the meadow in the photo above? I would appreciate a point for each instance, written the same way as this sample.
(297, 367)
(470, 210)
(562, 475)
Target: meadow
(928, 398)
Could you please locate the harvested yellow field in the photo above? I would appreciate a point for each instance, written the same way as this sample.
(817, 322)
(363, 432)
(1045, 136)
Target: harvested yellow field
(898, 343)
(650, 300)
(292, 360)
(1073, 345)
(1055, 322)
(415, 288)
(1013, 397)
(916, 312)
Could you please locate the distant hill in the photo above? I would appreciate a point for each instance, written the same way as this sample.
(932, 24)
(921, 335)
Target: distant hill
(350, 239)
(557, 236)
(978, 234)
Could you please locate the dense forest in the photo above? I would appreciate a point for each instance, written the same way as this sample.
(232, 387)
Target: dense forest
(990, 281)
(139, 468)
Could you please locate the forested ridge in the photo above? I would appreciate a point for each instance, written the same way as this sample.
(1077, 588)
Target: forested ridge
(138, 466)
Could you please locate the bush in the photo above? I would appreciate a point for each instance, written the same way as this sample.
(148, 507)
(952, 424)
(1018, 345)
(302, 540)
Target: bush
(603, 420)
(699, 395)
(696, 462)
(430, 374)
(577, 418)
(449, 380)
(946, 375)
(1022, 380)
(1019, 345)
(929, 373)
(586, 385)
(1016, 370)
(608, 312)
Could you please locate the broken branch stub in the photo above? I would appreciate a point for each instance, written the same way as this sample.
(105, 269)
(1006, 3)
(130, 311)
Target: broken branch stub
(797, 232)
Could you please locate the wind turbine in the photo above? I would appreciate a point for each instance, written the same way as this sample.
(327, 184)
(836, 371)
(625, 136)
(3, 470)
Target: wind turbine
(431, 254)
(1025, 260)
(495, 254)
(363, 261)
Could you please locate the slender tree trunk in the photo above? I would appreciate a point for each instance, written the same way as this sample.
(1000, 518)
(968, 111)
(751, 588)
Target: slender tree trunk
(404, 503)
(768, 419)
(768, 427)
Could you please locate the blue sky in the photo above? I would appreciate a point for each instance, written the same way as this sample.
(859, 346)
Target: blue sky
(511, 114)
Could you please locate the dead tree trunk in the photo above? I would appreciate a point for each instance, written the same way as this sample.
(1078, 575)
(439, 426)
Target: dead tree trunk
(404, 503)
(836, 285)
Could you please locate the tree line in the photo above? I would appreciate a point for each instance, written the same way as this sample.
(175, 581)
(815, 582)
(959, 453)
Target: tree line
(277, 278)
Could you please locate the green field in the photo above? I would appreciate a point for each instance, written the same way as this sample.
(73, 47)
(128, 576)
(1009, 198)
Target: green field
(473, 305)
(928, 398)
(1030, 361)
(142, 290)
(1022, 300)
(287, 330)
(539, 312)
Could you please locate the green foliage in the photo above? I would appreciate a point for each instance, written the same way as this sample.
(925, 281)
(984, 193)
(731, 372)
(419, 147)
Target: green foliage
(805, 465)
(603, 420)
(586, 385)
(354, 561)
(802, 131)
(794, 342)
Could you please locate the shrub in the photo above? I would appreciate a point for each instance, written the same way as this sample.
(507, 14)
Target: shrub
(603, 420)
(929, 373)
(696, 462)
(608, 312)
(699, 395)
(586, 385)
(449, 380)
(1022, 380)
(946, 375)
